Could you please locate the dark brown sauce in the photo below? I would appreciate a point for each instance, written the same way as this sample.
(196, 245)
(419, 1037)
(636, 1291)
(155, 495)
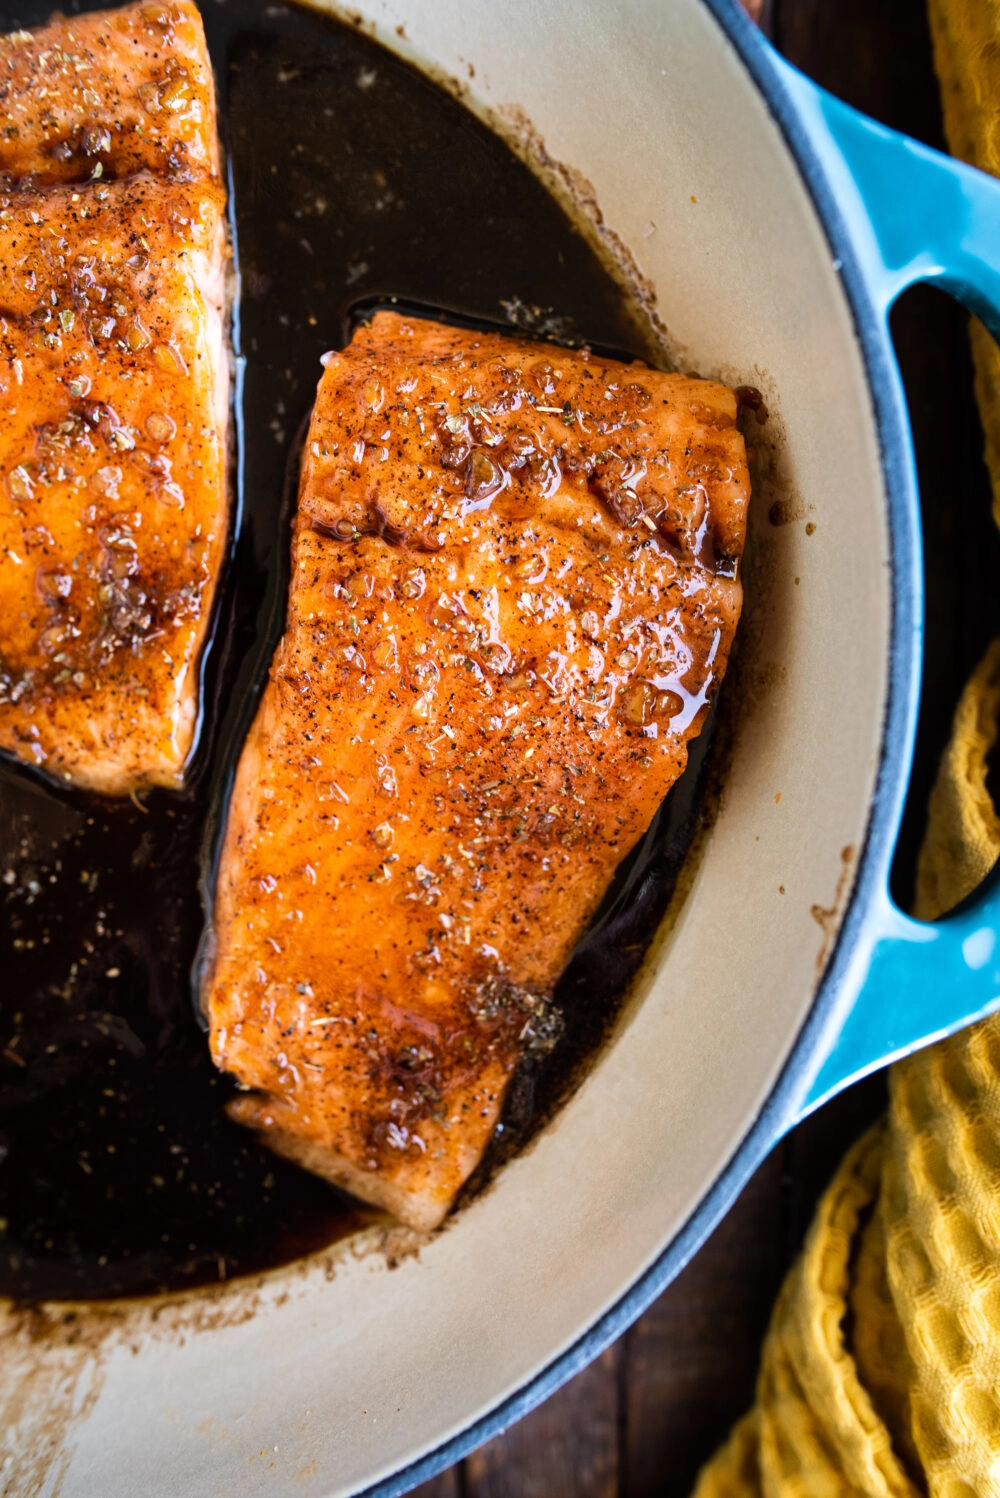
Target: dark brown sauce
(355, 180)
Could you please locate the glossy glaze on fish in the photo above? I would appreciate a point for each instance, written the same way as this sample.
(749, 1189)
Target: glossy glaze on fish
(514, 589)
(114, 380)
(108, 94)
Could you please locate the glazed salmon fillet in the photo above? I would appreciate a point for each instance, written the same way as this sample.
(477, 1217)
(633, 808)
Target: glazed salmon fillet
(513, 593)
(114, 380)
(108, 94)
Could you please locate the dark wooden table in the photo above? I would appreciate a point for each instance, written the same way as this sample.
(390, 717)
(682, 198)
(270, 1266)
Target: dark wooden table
(641, 1420)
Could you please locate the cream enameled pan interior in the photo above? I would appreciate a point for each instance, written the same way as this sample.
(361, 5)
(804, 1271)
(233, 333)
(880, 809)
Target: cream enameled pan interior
(320, 1383)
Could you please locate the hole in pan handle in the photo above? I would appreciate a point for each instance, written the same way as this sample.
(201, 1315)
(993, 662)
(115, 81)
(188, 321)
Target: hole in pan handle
(909, 214)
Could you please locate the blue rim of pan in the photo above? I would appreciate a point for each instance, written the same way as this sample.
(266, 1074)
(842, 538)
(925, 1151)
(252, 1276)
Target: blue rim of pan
(779, 1112)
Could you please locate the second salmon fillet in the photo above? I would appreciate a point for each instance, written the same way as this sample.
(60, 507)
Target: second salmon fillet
(114, 380)
(514, 589)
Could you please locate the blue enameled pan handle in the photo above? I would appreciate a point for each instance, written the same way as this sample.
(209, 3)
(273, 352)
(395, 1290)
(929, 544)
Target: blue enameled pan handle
(913, 215)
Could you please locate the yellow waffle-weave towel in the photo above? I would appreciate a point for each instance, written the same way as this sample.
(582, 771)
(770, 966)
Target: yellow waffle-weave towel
(966, 37)
(880, 1372)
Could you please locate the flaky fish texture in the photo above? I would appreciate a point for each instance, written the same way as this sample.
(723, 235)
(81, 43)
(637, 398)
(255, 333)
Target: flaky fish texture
(114, 379)
(513, 593)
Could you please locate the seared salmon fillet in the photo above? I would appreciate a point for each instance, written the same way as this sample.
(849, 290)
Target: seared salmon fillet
(114, 380)
(108, 94)
(513, 592)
